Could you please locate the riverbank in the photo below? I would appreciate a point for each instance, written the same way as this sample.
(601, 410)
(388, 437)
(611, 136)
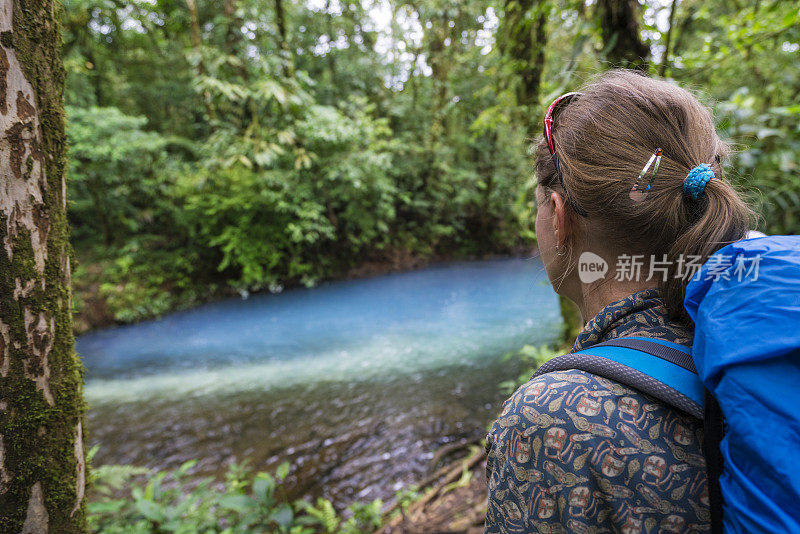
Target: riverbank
(454, 499)
(100, 301)
(139, 500)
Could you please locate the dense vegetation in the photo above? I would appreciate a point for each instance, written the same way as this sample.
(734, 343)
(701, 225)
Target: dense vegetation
(245, 503)
(221, 145)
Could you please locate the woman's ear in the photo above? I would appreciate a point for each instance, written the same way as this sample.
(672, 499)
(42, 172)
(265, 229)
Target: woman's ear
(561, 219)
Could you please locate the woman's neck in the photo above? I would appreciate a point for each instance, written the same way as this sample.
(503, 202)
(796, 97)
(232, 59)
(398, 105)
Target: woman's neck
(596, 296)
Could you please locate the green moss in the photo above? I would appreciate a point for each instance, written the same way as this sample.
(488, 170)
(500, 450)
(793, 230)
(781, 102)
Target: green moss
(7, 39)
(28, 167)
(31, 455)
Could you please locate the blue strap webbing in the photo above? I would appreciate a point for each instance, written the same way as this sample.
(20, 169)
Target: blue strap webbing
(664, 342)
(670, 374)
(672, 352)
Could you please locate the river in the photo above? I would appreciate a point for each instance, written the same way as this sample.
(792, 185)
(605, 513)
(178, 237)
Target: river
(355, 382)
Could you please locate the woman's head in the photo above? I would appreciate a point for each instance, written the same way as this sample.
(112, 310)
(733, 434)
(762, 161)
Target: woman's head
(603, 138)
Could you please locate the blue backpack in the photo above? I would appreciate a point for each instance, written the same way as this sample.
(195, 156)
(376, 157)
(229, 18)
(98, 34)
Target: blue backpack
(742, 377)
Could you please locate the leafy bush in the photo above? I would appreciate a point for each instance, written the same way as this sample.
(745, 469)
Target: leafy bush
(170, 502)
(117, 178)
(532, 357)
(146, 277)
(772, 159)
(302, 215)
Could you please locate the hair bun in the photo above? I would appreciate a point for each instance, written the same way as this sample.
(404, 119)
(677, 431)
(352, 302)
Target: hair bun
(695, 182)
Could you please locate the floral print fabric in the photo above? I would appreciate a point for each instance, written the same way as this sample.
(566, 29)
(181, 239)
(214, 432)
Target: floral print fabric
(575, 452)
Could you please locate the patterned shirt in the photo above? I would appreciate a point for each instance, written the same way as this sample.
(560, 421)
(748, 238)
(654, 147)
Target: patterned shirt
(575, 452)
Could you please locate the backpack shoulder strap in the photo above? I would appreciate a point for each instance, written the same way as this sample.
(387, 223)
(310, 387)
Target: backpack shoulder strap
(666, 350)
(659, 368)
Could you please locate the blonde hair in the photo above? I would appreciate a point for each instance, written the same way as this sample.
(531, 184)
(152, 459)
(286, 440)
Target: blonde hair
(604, 137)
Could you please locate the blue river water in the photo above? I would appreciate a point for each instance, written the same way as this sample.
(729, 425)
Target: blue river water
(354, 382)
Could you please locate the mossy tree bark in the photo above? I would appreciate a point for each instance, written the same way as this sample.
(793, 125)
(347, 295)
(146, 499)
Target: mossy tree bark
(42, 466)
(619, 26)
(286, 51)
(522, 38)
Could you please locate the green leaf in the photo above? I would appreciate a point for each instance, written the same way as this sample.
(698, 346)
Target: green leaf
(237, 503)
(185, 467)
(151, 511)
(263, 487)
(282, 471)
(112, 507)
(283, 515)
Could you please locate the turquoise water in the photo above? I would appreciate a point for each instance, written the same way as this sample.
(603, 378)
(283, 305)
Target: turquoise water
(354, 382)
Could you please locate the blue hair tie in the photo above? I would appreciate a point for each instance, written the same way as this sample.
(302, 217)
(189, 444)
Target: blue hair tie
(695, 182)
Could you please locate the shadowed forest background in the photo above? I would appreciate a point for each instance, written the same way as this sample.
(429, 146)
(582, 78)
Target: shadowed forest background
(232, 147)
(238, 146)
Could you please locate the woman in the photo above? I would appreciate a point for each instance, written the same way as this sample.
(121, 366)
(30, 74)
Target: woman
(629, 177)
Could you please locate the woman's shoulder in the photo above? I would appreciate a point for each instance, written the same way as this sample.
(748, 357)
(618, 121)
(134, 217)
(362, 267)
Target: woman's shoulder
(573, 448)
(578, 401)
(567, 392)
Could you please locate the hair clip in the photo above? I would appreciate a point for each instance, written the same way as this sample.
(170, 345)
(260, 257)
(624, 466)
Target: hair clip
(638, 194)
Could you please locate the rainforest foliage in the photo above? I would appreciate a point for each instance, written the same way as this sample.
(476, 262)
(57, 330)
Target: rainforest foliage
(242, 145)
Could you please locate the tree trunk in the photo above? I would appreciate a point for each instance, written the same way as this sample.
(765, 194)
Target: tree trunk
(332, 83)
(42, 466)
(233, 31)
(619, 26)
(197, 45)
(662, 69)
(286, 52)
(522, 39)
